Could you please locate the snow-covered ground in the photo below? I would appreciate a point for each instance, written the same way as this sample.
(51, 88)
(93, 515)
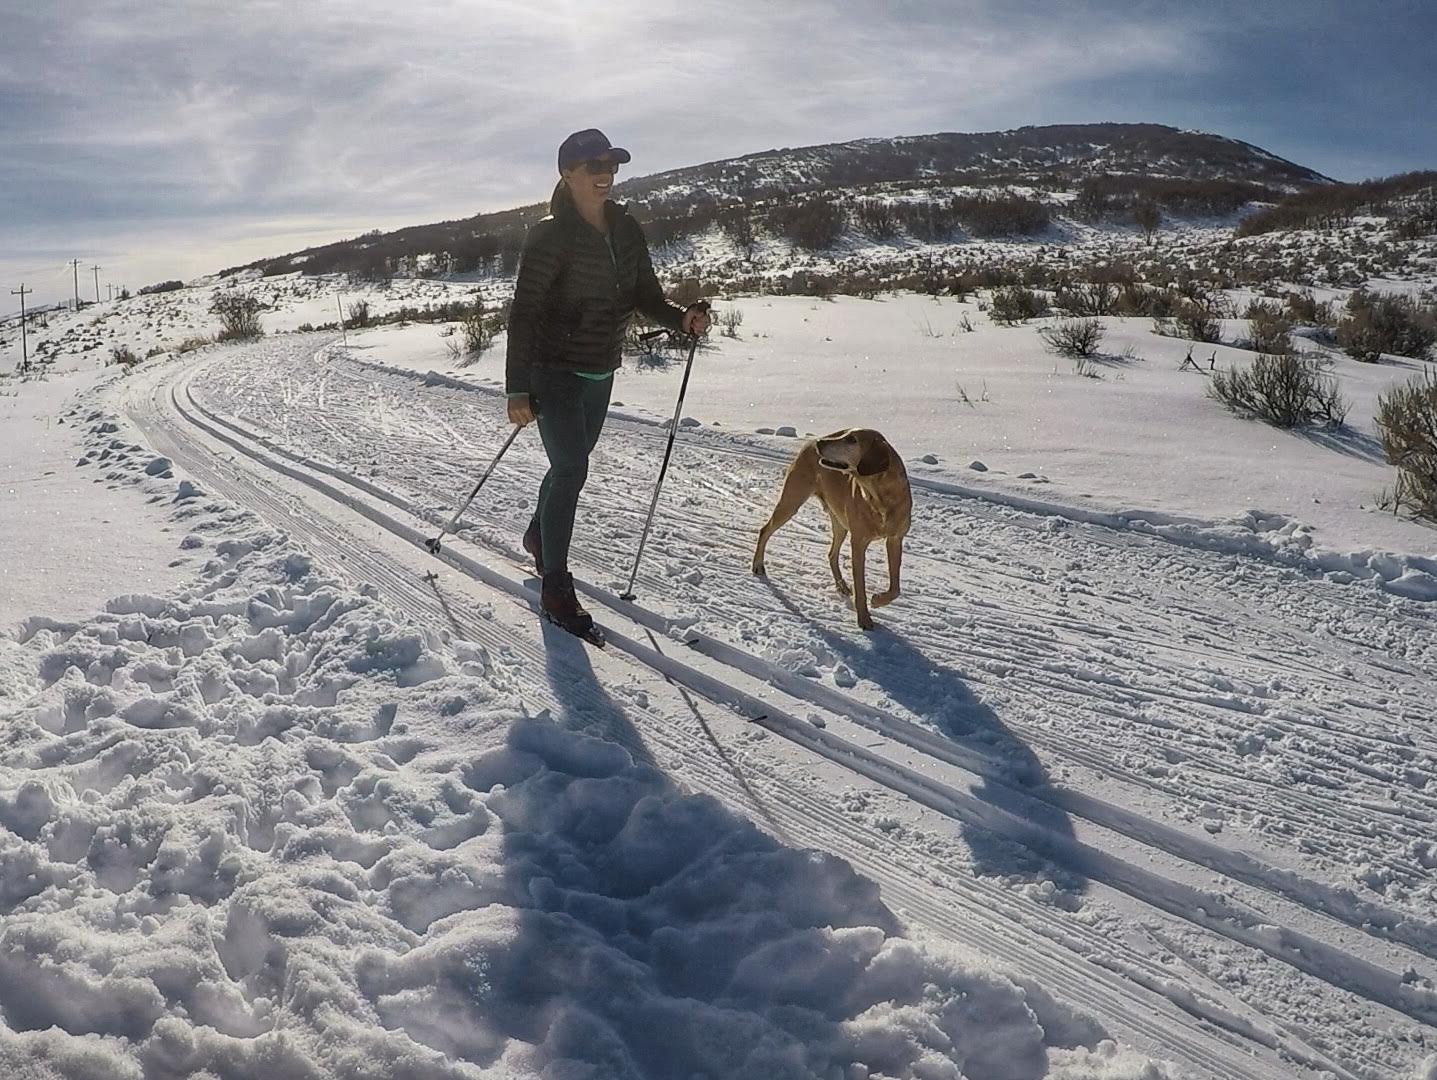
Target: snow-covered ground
(70, 540)
(1133, 439)
(1136, 779)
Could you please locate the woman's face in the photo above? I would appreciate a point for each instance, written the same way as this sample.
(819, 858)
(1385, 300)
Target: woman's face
(590, 181)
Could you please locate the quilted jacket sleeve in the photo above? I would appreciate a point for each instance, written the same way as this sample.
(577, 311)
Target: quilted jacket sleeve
(539, 265)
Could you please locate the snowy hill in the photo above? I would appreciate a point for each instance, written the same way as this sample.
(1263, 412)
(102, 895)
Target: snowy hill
(1063, 151)
(1134, 781)
(1190, 172)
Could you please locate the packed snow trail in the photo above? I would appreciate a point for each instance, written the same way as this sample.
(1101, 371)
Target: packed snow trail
(268, 827)
(1114, 659)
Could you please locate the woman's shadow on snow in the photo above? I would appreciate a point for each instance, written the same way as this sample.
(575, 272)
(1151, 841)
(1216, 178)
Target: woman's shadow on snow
(584, 705)
(1039, 843)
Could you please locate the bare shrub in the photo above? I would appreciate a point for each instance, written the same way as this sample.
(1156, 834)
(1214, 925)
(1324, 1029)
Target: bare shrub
(1284, 391)
(478, 330)
(1015, 304)
(190, 344)
(358, 315)
(738, 226)
(1147, 215)
(730, 319)
(649, 352)
(1095, 298)
(1407, 421)
(1269, 328)
(927, 219)
(124, 356)
(1074, 337)
(1197, 322)
(1306, 309)
(1136, 299)
(877, 218)
(161, 287)
(1375, 324)
(239, 317)
(1000, 215)
(814, 223)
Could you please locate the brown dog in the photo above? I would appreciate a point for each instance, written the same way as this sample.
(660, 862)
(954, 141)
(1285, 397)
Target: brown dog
(861, 482)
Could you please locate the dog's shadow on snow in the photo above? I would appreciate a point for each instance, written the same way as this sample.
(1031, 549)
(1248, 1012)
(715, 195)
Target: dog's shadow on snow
(1031, 838)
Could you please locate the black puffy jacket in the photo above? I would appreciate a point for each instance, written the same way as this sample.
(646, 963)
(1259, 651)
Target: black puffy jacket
(574, 299)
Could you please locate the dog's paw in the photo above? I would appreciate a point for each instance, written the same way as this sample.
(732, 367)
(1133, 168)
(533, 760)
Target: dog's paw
(760, 570)
(882, 599)
(843, 587)
(865, 622)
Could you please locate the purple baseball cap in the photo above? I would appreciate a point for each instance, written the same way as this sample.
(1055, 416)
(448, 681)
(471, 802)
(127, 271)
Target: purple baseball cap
(587, 145)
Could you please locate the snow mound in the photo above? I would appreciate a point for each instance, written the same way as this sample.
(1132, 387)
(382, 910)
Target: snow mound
(264, 828)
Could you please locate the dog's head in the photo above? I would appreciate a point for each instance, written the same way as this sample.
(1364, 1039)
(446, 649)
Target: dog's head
(860, 451)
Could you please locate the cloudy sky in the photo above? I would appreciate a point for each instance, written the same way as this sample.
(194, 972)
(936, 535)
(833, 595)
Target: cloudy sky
(170, 138)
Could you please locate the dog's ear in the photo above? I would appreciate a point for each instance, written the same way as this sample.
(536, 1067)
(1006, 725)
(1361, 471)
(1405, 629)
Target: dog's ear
(875, 459)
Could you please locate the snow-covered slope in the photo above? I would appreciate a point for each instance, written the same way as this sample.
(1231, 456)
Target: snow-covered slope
(1070, 150)
(1135, 780)
(1113, 780)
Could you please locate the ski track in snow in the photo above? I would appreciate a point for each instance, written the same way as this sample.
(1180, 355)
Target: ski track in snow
(275, 826)
(1173, 697)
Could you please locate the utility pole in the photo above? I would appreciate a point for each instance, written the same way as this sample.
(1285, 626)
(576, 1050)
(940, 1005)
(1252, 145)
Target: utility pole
(96, 270)
(24, 342)
(109, 291)
(75, 263)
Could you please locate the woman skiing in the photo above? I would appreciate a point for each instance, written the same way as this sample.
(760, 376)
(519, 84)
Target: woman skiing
(585, 270)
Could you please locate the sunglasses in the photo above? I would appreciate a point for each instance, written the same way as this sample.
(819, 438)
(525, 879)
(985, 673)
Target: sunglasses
(596, 167)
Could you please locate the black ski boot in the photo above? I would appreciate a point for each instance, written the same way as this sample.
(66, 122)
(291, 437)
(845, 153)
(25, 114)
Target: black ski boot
(534, 547)
(562, 608)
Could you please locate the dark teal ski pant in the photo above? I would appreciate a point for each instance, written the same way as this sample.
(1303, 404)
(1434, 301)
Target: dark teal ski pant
(571, 412)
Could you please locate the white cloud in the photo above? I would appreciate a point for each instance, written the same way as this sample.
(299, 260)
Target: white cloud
(145, 111)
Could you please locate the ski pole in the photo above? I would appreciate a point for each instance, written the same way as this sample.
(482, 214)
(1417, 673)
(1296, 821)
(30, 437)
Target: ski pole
(433, 545)
(628, 594)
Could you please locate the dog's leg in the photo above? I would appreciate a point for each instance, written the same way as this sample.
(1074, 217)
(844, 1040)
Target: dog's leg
(796, 490)
(895, 562)
(839, 535)
(858, 551)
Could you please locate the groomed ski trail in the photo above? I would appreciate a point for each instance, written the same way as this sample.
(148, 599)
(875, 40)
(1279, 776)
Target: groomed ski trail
(1093, 969)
